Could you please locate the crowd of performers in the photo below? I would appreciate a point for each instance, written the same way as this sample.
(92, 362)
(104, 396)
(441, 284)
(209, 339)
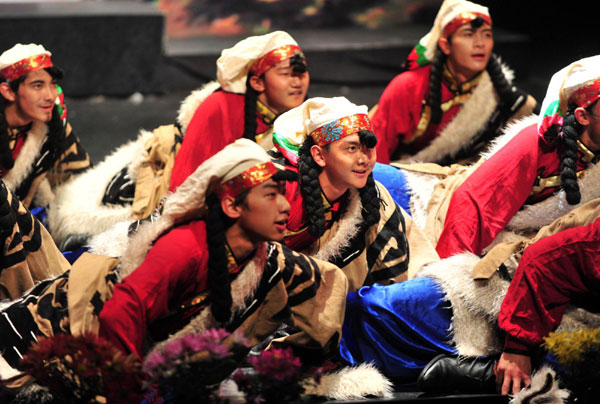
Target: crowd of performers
(439, 235)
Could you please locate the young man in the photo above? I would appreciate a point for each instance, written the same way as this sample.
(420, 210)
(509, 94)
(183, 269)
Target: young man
(453, 96)
(258, 79)
(38, 149)
(339, 213)
(178, 280)
(531, 169)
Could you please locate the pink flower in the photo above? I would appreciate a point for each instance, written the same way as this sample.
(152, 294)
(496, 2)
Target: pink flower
(279, 364)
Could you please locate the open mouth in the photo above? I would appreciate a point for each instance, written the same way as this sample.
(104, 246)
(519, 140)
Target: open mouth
(361, 172)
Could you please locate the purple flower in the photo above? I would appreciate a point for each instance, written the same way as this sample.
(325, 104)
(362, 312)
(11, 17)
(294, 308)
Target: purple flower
(279, 364)
(174, 349)
(153, 361)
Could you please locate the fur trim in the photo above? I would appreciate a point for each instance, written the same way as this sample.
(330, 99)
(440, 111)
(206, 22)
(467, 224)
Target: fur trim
(544, 389)
(556, 206)
(510, 130)
(351, 383)
(475, 112)
(421, 189)
(44, 195)
(72, 214)
(112, 242)
(349, 225)
(228, 390)
(242, 288)
(33, 394)
(192, 102)
(27, 156)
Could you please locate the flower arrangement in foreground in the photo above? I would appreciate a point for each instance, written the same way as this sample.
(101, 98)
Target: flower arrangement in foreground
(575, 355)
(191, 367)
(83, 369)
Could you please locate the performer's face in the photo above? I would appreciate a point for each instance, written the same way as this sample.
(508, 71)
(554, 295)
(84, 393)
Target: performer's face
(468, 50)
(264, 213)
(346, 164)
(35, 97)
(590, 119)
(282, 89)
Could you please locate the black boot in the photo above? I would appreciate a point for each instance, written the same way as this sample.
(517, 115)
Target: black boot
(449, 374)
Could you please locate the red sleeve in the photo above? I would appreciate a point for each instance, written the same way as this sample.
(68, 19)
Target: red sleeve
(218, 121)
(550, 274)
(173, 266)
(397, 114)
(488, 199)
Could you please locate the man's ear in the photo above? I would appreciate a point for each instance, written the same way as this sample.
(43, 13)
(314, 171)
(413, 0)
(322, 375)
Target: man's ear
(230, 208)
(257, 83)
(444, 45)
(582, 116)
(317, 154)
(7, 92)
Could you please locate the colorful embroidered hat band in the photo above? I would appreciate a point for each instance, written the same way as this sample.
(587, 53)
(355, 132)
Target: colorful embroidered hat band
(25, 66)
(275, 56)
(340, 128)
(250, 178)
(463, 18)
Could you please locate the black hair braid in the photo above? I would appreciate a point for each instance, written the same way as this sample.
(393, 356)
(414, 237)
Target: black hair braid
(56, 135)
(6, 159)
(501, 84)
(369, 197)
(435, 86)
(219, 283)
(250, 111)
(310, 189)
(568, 176)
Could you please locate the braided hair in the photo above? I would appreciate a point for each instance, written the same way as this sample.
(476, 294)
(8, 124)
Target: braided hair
(310, 188)
(571, 130)
(250, 99)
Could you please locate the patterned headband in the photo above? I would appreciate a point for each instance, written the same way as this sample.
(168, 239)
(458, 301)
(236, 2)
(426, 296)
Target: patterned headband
(25, 66)
(586, 95)
(275, 56)
(461, 19)
(250, 178)
(340, 128)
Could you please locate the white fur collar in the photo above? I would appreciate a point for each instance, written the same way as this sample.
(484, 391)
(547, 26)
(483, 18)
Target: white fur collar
(349, 224)
(474, 114)
(27, 156)
(192, 102)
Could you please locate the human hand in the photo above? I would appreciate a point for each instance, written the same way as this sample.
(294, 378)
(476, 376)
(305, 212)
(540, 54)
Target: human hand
(515, 370)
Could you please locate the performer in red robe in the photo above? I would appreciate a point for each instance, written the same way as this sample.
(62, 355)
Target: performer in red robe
(259, 78)
(529, 169)
(453, 96)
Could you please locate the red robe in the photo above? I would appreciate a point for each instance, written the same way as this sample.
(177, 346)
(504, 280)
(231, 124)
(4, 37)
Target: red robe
(217, 122)
(399, 111)
(488, 199)
(174, 271)
(551, 274)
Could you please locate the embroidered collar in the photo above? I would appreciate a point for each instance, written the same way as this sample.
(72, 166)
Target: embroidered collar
(586, 155)
(453, 84)
(265, 113)
(233, 266)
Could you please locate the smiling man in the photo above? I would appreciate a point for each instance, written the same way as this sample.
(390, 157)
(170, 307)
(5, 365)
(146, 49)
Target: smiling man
(338, 212)
(38, 149)
(453, 96)
(259, 78)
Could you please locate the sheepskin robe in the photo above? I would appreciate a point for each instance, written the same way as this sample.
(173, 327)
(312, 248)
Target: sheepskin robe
(35, 174)
(402, 121)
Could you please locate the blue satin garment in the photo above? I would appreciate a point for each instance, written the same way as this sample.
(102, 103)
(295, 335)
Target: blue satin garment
(399, 327)
(393, 180)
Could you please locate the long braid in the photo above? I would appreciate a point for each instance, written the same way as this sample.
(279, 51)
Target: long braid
(501, 84)
(435, 86)
(250, 99)
(219, 283)
(6, 158)
(310, 189)
(369, 197)
(568, 176)
(56, 136)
